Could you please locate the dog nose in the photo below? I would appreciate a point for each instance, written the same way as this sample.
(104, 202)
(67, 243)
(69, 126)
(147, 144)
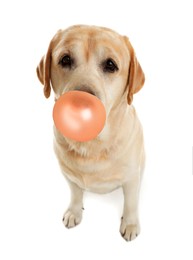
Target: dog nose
(85, 89)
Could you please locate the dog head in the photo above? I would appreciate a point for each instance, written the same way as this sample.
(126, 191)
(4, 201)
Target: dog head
(92, 59)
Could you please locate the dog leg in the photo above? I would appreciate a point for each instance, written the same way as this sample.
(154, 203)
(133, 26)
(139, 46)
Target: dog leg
(130, 228)
(73, 215)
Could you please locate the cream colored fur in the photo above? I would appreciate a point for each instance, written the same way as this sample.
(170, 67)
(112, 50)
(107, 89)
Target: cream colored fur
(116, 157)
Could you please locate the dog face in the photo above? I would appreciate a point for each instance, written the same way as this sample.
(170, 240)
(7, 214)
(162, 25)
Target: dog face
(92, 59)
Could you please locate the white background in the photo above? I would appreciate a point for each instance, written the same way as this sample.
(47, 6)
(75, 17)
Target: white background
(33, 192)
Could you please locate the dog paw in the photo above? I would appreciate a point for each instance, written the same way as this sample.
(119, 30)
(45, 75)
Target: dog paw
(72, 219)
(129, 232)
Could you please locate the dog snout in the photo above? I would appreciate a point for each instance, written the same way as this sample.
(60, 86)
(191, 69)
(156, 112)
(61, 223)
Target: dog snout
(86, 89)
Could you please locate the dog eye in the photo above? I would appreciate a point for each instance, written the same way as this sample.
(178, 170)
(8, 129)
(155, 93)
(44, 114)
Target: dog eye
(110, 66)
(66, 61)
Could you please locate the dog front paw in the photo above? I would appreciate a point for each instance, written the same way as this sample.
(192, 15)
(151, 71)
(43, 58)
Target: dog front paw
(72, 219)
(129, 232)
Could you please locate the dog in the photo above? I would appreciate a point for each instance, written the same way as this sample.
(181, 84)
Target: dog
(103, 63)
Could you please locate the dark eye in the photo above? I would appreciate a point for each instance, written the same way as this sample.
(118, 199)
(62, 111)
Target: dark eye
(66, 61)
(110, 66)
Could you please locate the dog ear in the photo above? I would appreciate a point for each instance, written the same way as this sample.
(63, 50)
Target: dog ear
(136, 77)
(43, 71)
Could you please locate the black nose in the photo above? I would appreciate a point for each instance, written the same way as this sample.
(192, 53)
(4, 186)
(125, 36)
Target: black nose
(85, 89)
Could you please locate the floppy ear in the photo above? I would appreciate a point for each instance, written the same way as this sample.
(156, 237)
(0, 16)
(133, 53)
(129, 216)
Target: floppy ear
(43, 71)
(136, 77)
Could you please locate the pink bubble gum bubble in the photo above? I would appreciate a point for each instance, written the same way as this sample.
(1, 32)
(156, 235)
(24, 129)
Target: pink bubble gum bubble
(79, 115)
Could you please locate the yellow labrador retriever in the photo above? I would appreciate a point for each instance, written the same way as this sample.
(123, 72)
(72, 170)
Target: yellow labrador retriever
(102, 62)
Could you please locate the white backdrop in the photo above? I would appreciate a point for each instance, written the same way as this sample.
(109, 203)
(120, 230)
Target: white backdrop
(33, 192)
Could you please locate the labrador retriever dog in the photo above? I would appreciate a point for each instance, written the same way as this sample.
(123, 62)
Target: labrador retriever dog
(99, 61)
